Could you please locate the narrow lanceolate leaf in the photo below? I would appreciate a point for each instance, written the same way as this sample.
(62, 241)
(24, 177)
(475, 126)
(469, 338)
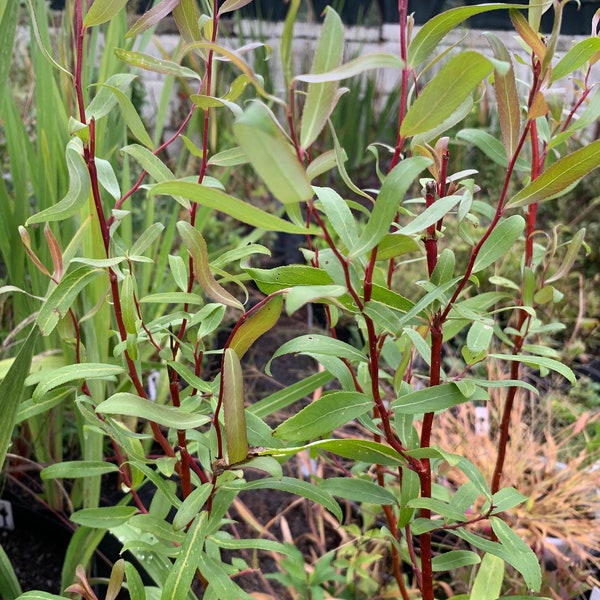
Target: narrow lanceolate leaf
(131, 117)
(63, 296)
(321, 344)
(357, 450)
(218, 200)
(488, 582)
(124, 403)
(321, 97)
(79, 188)
(300, 488)
(152, 17)
(196, 246)
(507, 98)
(454, 559)
(367, 62)
(455, 81)
(256, 325)
(324, 416)
(187, 16)
(105, 517)
(569, 258)
(157, 65)
(521, 555)
(429, 36)
(11, 391)
(78, 468)
(102, 11)
(230, 5)
(271, 155)
(73, 373)
(339, 214)
(180, 578)
(431, 399)
(528, 35)
(388, 202)
(540, 362)
(576, 57)
(232, 381)
(499, 242)
(559, 176)
(358, 490)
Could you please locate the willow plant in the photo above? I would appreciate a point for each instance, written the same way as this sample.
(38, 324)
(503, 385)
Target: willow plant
(131, 290)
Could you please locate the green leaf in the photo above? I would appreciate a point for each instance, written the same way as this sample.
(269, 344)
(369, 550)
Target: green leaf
(489, 578)
(220, 584)
(135, 585)
(62, 297)
(180, 578)
(339, 214)
(187, 17)
(191, 506)
(521, 555)
(569, 258)
(103, 518)
(256, 325)
(73, 469)
(78, 192)
(499, 242)
(9, 584)
(427, 39)
(559, 176)
(279, 278)
(388, 201)
(218, 200)
(454, 559)
(230, 5)
(454, 82)
(357, 490)
(479, 336)
(540, 362)
(234, 416)
(396, 244)
(507, 498)
(152, 17)
(73, 373)
(507, 98)
(40, 596)
(131, 117)
(357, 450)
(491, 147)
(299, 488)
(431, 399)
(321, 98)
(271, 155)
(330, 411)
(290, 394)
(124, 403)
(102, 11)
(367, 62)
(156, 65)
(298, 296)
(11, 391)
(321, 344)
(440, 208)
(196, 246)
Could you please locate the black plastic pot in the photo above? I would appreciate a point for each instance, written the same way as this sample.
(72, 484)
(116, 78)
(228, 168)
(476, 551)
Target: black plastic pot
(351, 11)
(423, 11)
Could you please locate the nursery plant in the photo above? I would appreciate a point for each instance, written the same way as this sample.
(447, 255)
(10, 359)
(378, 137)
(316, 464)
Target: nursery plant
(131, 322)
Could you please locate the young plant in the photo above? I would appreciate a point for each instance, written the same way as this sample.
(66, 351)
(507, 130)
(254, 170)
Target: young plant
(138, 295)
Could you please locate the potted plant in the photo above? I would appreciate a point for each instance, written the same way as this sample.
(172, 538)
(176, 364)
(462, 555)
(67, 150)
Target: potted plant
(148, 293)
